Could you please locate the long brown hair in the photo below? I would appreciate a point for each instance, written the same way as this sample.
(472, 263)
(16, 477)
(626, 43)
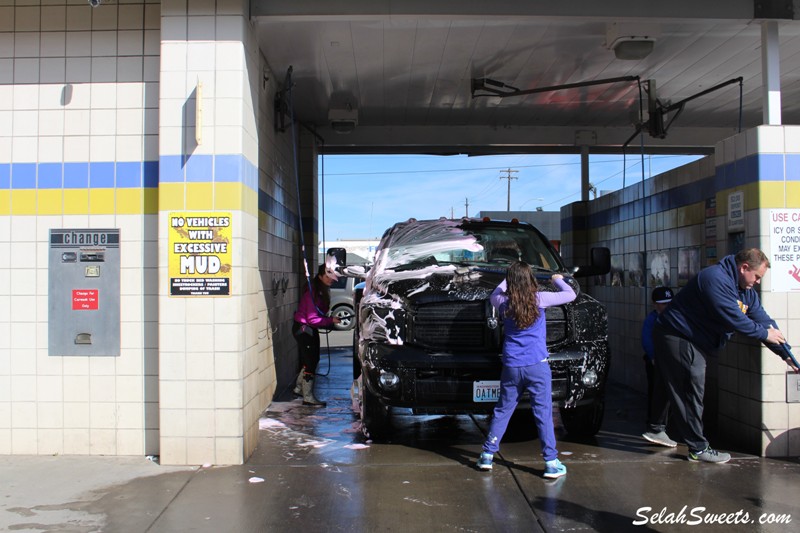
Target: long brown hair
(321, 291)
(523, 305)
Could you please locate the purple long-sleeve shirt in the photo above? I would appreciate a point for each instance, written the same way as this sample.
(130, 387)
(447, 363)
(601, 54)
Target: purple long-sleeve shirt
(308, 313)
(524, 347)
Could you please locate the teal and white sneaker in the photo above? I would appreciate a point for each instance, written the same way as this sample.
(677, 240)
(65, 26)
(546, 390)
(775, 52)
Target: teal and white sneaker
(709, 455)
(554, 469)
(485, 461)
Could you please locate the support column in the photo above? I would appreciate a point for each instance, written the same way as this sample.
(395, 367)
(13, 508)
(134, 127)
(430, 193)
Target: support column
(771, 73)
(585, 173)
(215, 359)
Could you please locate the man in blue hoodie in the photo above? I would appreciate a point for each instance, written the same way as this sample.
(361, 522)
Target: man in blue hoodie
(715, 304)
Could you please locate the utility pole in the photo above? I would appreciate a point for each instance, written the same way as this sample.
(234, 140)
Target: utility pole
(466, 206)
(509, 177)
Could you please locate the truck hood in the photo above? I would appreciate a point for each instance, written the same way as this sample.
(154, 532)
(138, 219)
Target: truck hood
(434, 283)
(440, 283)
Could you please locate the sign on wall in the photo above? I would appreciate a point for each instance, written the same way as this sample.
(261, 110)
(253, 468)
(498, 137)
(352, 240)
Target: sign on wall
(200, 255)
(736, 211)
(784, 254)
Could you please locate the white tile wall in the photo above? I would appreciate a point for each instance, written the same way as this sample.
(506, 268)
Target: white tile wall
(753, 377)
(72, 405)
(101, 398)
(770, 139)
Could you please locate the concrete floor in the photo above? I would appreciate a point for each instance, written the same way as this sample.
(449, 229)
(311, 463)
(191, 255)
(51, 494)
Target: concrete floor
(320, 474)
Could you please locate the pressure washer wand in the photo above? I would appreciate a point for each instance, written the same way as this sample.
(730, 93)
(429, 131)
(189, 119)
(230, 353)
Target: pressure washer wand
(787, 353)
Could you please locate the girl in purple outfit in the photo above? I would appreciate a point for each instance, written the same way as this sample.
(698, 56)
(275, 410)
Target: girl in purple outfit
(525, 365)
(311, 315)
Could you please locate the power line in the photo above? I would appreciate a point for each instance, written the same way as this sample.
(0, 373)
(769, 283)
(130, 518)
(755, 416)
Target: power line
(542, 165)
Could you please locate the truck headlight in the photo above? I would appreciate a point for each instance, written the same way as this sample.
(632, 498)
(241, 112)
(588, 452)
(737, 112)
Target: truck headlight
(589, 378)
(389, 380)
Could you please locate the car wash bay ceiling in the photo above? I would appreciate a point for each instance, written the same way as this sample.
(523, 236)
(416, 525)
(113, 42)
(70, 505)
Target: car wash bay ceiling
(401, 74)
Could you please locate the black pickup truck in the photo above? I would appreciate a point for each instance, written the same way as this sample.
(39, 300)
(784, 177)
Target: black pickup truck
(428, 339)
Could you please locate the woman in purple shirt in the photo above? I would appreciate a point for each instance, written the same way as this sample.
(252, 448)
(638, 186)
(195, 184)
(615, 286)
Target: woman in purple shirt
(311, 315)
(525, 365)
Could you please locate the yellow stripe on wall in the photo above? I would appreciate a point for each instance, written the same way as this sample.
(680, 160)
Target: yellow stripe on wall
(101, 202)
(5, 202)
(793, 194)
(171, 196)
(771, 194)
(51, 202)
(23, 202)
(129, 201)
(199, 196)
(76, 201)
(228, 196)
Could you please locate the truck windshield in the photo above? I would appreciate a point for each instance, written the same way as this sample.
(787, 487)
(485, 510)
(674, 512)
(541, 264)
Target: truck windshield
(442, 242)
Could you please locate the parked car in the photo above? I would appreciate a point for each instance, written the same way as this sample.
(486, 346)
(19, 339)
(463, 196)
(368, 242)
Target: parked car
(428, 338)
(342, 302)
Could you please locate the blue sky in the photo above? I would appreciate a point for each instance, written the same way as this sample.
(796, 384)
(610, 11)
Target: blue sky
(365, 194)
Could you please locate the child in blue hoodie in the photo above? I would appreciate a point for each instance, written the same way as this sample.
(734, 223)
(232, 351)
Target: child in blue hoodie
(525, 365)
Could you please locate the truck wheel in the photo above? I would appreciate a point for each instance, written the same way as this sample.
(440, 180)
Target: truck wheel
(346, 319)
(582, 422)
(374, 415)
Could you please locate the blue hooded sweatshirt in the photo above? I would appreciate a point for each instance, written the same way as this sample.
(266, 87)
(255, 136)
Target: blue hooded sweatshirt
(712, 307)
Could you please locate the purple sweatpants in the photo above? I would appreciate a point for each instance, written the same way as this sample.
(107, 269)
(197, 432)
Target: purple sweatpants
(513, 381)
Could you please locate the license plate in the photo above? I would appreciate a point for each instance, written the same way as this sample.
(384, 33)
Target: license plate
(485, 391)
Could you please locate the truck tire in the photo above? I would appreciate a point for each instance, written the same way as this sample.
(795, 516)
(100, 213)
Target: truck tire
(374, 415)
(585, 421)
(345, 314)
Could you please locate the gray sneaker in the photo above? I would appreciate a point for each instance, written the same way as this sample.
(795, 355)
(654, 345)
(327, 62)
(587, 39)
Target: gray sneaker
(709, 455)
(660, 438)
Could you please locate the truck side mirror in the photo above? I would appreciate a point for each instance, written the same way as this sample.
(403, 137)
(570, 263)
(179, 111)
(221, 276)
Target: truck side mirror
(600, 263)
(336, 259)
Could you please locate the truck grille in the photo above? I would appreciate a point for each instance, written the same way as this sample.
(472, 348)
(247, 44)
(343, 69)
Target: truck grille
(556, 325)
(449, 326)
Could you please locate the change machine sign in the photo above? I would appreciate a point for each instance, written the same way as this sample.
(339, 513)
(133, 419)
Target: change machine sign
(200, 254)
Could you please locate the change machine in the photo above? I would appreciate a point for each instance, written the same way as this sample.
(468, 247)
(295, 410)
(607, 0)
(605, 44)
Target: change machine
(84, 314)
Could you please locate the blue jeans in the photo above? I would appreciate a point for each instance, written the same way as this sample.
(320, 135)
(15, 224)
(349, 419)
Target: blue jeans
(537, 380)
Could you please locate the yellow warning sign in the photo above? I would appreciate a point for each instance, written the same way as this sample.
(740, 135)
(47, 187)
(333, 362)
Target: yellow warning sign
(200, 255)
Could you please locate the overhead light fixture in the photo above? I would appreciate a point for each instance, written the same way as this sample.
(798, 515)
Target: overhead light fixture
(630, 40)
(343, 120)
(632, 47)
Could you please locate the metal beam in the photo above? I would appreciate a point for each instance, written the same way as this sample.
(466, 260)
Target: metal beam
(606, 10)
(511, 139)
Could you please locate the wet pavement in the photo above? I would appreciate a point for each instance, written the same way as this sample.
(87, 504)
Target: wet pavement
(314, 470)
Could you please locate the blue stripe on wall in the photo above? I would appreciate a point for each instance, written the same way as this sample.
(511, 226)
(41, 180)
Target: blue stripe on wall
(753, 168)
(134, 174)
(277, 210)
(101, 176)
(151, 174)
(200, 169)
(23, 176)
(51, 175)
(130, 174)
